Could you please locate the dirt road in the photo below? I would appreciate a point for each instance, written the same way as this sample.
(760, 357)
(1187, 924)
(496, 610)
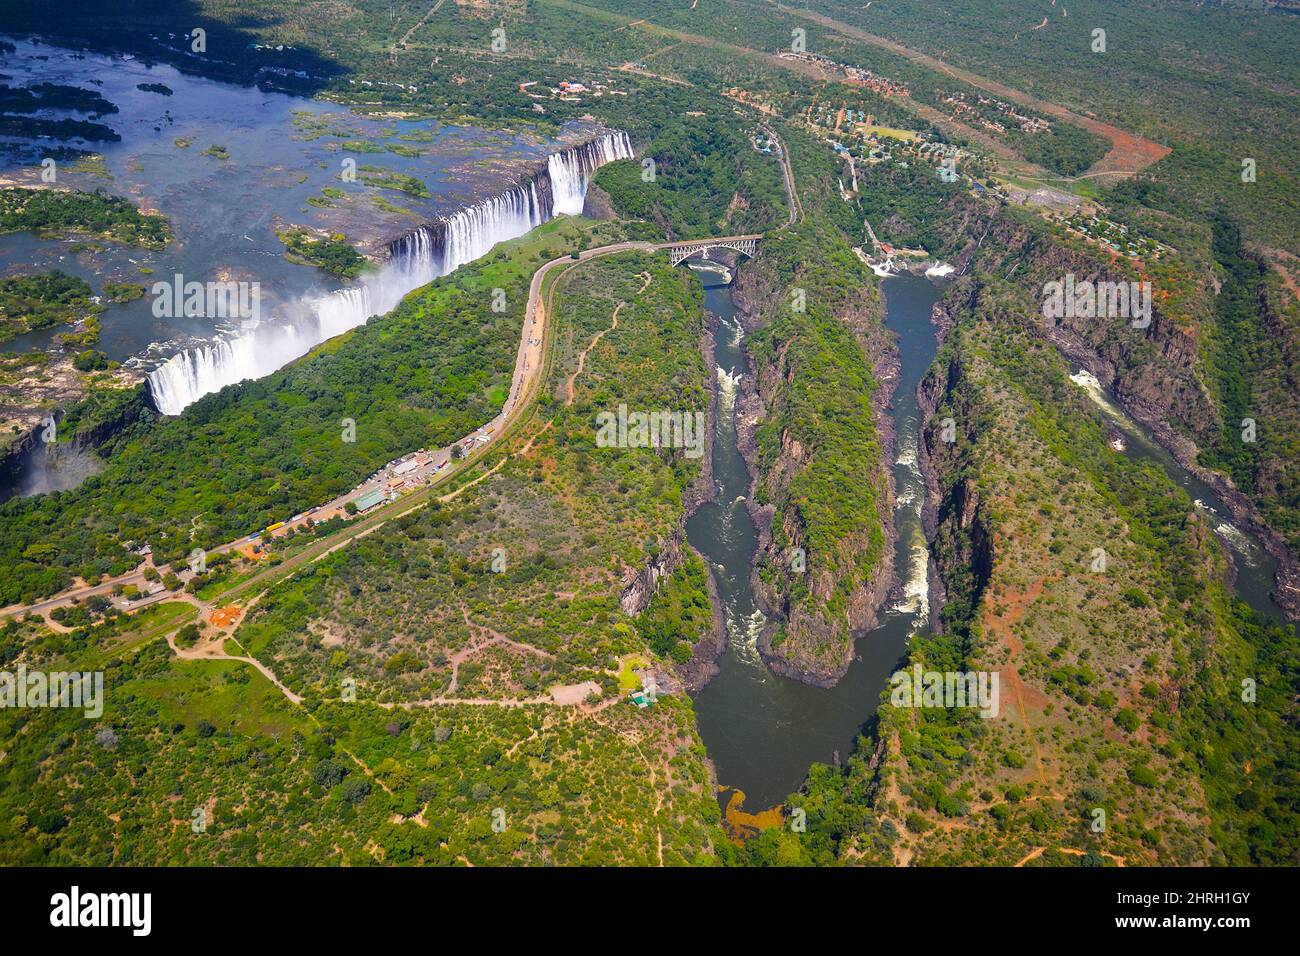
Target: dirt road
(1129, 153)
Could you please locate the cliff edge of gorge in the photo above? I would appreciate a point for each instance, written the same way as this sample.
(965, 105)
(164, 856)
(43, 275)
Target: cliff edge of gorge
(954, 516)
(641, 586)
(849, 571)
(1160, 374)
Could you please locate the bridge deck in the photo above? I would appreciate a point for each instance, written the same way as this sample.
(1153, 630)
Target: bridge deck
(745, 245)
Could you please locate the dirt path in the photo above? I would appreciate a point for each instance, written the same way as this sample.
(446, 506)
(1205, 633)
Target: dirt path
(582, 356)
(1284, 264)
(472, 701)
(999, 627)
(1038, 851)
(633, 68)
(561, 695)
(473, 647)
(214, 649)
(1034, 854)
(401, 44)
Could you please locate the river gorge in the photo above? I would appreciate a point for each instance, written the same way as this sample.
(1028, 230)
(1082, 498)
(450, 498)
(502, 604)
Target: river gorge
(764, 731)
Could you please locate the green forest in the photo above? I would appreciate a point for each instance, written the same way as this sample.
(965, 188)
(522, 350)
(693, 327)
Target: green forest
(62, 213)
(43, 300)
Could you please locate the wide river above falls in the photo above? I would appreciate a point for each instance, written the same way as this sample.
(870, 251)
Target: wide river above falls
(281, 151)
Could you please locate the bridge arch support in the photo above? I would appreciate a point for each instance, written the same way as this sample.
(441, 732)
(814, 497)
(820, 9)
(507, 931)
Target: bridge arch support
(681, 251)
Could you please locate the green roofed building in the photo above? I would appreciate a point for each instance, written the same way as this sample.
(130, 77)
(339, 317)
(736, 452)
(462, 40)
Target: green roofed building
(371, 498)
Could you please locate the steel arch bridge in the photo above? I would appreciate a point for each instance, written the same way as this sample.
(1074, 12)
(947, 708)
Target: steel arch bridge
(681, 251)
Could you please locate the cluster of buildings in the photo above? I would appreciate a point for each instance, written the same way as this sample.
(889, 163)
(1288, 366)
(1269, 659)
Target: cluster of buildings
(419, 468)
(852, 74)
(762, 142)
(854, 135)
(398, 477)
(976, 114)
(1113, 235)
(839, 118)
(568, 91)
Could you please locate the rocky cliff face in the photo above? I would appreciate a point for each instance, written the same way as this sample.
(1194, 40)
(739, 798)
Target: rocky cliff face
(930, 394)
(92, 435)
(703, 665)
(641, 586)
(955, 519)
(15, 457)
(805, 642)
(1155, 373)
(598, 205)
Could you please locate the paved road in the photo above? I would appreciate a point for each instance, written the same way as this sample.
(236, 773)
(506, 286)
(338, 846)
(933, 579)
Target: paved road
(528, 363)
(787, 171)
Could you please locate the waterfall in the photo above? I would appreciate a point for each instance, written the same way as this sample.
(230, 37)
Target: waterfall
(415, 259)
(570, 170)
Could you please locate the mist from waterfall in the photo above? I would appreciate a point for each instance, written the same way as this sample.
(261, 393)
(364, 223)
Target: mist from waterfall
(431, 251)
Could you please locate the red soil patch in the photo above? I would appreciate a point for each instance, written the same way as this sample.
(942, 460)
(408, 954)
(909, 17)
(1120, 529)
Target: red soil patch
(225, 617)
(1022, 696)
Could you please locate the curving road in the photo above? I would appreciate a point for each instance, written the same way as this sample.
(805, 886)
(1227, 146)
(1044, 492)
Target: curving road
(528, 363)
(787, 171)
